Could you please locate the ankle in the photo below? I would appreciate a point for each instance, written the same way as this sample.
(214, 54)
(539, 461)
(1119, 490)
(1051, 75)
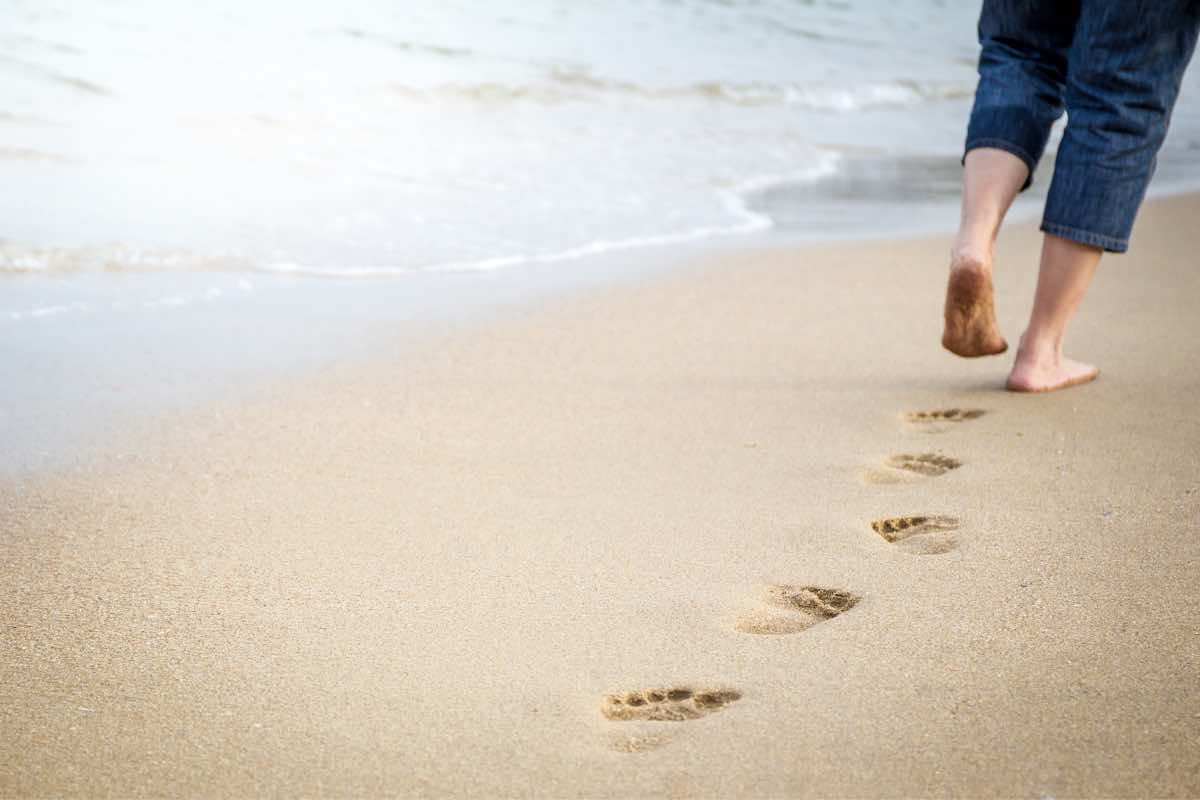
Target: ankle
(1039, 348)
(970, 261)
(971, 252)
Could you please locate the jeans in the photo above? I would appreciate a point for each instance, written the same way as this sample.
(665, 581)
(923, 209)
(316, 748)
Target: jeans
(1115, 66)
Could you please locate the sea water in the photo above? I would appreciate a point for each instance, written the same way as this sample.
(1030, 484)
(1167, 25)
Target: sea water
(373, 139)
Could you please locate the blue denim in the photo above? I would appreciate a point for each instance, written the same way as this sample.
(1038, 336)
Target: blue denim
(1115, 66)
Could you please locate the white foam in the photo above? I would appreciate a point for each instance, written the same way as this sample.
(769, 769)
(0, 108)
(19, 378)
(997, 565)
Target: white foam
(170, 301)
(745, 221)
(28, 259)
(582, 87)
(731, 200)
(47, 311)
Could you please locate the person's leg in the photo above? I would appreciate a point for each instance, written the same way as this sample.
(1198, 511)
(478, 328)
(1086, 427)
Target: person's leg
(1067, 269)
(1022, 70)
(1125, 68)
(991, 180)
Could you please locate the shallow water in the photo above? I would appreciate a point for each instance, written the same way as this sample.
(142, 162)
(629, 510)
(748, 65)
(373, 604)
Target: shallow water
(370, 138)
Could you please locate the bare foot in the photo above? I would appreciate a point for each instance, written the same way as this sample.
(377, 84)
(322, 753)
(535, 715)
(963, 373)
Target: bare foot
(971, 329)
(1047, 373)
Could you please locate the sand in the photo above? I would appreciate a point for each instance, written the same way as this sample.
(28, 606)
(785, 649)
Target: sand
(651, 541)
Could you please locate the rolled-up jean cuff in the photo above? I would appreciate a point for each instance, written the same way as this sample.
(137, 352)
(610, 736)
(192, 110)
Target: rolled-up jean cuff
(1108, 243)
(1007, 146)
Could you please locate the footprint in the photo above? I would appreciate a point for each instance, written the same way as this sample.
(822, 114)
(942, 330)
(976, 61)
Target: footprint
(929, 464)
(944, 415)
(676, 704)
(806, 606)
(894, 529)
(923, 536)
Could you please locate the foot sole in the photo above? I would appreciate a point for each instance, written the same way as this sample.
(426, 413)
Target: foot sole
(970, 330)
(1079, 381)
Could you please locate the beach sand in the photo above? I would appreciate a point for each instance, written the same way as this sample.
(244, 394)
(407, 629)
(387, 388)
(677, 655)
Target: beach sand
(431, 574)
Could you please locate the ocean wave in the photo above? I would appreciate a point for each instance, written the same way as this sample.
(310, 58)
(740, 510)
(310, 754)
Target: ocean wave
(31, 154)
(18, 259)
(566, 86)
(9, 118)
(52, 76)
(412, 47)
(745, 221)
(44, 311)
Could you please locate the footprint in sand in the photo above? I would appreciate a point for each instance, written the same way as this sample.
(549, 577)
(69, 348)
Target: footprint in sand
(676, 704)
(791, 609)
(919, 535)
(944, 415)
(928, 464)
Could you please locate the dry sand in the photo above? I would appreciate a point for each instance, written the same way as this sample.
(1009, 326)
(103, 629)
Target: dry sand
(427, 575)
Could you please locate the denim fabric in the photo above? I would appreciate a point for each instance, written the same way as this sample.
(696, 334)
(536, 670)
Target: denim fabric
(1115, 66)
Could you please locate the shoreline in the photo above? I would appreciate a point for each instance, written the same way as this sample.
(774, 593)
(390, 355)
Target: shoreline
(89, 355)
(425, 575)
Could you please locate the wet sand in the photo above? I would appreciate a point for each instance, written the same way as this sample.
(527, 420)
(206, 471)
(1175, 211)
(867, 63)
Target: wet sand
(659, 540)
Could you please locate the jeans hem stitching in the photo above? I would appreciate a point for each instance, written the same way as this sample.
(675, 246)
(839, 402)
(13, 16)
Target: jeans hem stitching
(1110, 243)
(1006, 145)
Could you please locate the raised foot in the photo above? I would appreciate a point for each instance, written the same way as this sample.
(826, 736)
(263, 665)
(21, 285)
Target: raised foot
(971, 329)
(1034, 376)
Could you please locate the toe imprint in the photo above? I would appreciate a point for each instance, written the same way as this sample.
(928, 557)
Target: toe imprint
(893, 529)
(945, 415)
(676, 704)
(929, 464)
